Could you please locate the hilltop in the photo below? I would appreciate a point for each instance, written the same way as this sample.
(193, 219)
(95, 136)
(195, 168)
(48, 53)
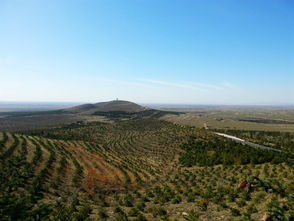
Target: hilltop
(115, 105)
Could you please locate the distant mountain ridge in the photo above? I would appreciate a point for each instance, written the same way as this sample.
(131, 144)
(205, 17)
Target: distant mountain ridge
(115, 105)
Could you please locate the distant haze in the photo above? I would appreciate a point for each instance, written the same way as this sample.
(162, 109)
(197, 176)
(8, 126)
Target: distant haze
(45, 106)
(33, 106)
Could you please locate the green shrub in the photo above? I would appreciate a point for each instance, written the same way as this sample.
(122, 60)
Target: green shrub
(140, 206)
(177, 200)
(158, 211)
(102, 214)
(235, 212)
(140, 217)
(202, 203)
(133, 212)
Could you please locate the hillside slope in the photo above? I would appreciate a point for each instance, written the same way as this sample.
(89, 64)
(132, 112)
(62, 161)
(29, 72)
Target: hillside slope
(20, 121)
(140, 169)
(99, 112)
(115, 105)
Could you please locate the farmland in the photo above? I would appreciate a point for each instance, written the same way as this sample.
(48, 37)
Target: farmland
(259, 118)
(146, 110)
(143, 168)
(131, 170)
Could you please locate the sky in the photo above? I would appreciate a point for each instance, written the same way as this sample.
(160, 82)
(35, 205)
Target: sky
(235, 52)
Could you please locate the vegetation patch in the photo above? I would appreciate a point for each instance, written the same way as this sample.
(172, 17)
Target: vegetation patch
(266, 121)
(128, 170)
(135, 115)
(212, 150)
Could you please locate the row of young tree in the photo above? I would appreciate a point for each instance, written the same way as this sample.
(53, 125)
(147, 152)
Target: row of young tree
(100, 132)
(21, 189)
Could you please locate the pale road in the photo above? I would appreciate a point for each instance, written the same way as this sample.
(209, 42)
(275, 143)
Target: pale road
(247, 142)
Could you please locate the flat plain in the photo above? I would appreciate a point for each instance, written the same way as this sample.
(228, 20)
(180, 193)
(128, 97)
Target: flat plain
(242, 118)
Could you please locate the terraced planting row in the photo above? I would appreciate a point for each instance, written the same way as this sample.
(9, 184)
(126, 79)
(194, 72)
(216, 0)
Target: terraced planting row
(38, 169)
(137, 174)
(206, 193)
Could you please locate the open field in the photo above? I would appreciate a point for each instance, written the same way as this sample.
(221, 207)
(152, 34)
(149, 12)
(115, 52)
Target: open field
(31, 121)
(33, 106)
(262, 119)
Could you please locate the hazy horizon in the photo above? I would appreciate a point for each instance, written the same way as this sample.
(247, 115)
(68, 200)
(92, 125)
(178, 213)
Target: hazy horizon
(73, 103)
(162, 52)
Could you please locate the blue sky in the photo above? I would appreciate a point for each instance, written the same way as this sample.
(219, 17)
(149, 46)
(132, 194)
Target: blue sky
(148, 51)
